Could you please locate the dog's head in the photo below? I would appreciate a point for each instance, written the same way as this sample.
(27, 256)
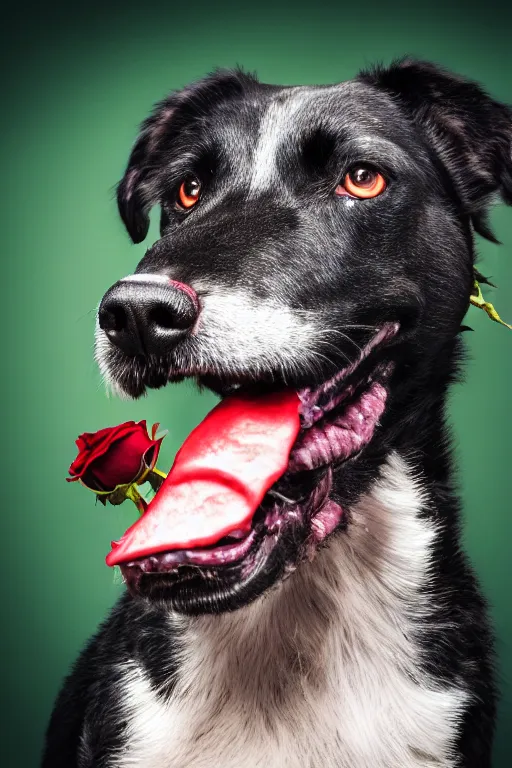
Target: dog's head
(318, 238)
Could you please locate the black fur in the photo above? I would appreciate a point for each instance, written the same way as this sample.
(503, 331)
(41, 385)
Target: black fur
(444, 147)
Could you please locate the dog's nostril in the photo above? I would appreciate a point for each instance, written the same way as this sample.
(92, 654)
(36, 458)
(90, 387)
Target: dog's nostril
(163, 317)
(113, 318)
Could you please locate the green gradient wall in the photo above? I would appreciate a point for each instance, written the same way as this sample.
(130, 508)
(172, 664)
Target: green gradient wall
(77, 83)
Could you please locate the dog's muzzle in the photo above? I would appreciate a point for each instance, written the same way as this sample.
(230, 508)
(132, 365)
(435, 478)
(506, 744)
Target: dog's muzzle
(148, 315)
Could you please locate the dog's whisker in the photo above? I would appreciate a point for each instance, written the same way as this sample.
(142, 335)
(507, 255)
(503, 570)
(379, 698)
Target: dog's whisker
(86, 315)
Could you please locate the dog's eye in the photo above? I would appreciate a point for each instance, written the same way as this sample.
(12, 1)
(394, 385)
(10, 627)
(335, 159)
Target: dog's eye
(362, 181)
(189, 193)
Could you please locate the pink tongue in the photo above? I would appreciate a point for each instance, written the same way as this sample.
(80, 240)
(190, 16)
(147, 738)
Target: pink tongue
(219, 476)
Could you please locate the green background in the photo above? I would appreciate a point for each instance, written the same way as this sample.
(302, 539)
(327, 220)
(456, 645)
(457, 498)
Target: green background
(77, 82)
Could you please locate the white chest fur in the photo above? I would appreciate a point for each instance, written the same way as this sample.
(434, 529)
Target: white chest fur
(320, 673)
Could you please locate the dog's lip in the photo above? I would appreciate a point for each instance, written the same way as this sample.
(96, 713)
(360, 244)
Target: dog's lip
(325, 398)
(316, 404)
(243, 557)
(218, 555)
(223, 387)
(313, 398)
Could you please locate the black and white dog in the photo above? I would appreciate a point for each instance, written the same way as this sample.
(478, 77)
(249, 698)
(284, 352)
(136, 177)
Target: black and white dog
(327, 233)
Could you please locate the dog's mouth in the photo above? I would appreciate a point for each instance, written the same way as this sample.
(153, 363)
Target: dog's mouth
(297, 513)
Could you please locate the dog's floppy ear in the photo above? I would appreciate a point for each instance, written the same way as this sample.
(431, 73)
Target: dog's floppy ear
(470, 132)
(158, 134)
(132, 189)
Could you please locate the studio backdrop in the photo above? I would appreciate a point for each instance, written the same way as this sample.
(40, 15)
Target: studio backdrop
(78, 80)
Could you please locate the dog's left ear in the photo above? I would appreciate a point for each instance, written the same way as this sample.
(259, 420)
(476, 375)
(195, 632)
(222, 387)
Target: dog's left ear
(470, 132)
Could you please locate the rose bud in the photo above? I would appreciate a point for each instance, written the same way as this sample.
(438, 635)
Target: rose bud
(112, 461)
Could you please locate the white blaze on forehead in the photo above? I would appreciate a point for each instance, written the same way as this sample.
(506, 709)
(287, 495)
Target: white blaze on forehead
(277, 126)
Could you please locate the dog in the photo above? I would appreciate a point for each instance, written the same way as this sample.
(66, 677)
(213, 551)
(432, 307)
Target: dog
(326, 235)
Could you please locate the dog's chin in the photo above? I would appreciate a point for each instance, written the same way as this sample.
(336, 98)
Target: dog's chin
(239, 568)
(194, 589)
(298, 513)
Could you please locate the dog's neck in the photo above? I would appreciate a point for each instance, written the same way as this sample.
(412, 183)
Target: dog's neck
(327, 605)
(327, 655)
(361, 592)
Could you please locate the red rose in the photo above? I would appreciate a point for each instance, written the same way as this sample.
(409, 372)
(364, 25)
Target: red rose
(115, 456)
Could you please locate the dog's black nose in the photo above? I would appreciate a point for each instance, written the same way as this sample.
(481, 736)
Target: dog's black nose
(147, 314)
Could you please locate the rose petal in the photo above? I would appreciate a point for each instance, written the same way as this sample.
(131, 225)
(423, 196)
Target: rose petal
(115, 456)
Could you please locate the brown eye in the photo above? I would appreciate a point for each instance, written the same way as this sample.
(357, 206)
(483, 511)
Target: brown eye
(363, 182)
(188, 193)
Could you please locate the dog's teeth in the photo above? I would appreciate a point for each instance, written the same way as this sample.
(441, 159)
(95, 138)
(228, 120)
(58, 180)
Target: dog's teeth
(239, 534)
(173, 558)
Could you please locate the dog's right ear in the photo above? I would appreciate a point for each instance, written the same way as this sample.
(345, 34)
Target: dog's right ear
(132, 190)
(160, 131)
